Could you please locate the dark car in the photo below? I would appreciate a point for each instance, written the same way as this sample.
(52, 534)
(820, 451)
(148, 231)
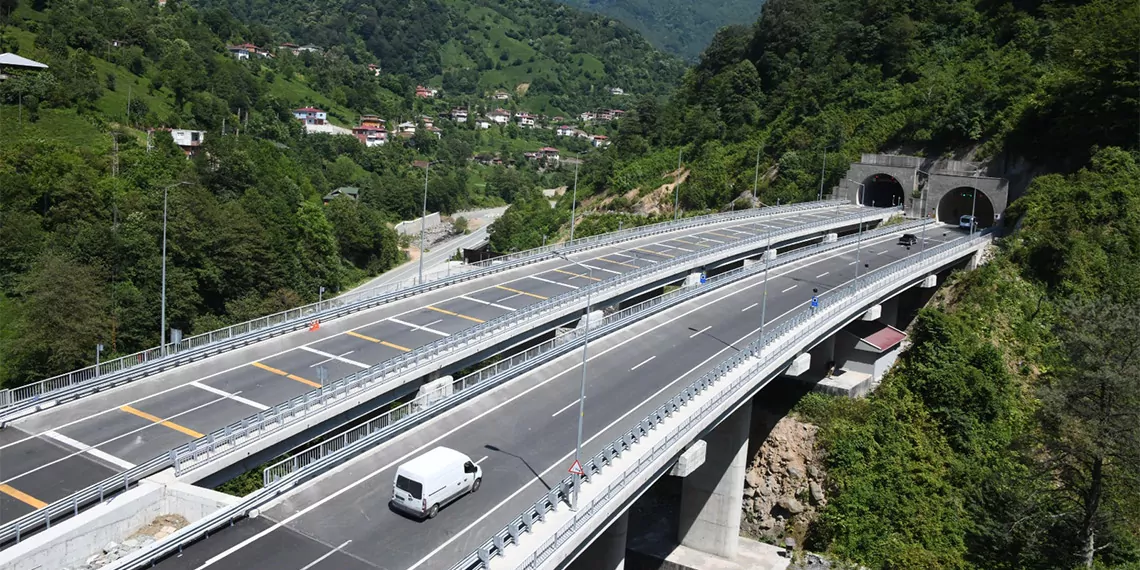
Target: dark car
(908, 239)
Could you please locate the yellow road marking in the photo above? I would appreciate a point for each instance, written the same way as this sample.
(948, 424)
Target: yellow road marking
(653, 252)
(22, 496)
(723, 235)
(287, 375)
(690, 242)
(617, 262)
(378, 341)
(454, 314)
(505, 288)
(158, 420)
(577, 275)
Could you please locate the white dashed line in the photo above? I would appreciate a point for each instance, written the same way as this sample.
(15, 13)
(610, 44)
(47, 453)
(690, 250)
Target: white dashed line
(230, 396)
(334, 357)
(121, 463)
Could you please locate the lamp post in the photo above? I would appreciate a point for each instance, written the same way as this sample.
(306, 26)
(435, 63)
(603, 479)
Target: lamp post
(423, 219)
(582, 395)
(677, 188)
(98, 350)
(756, 177)
(574, 199)
(162, 325)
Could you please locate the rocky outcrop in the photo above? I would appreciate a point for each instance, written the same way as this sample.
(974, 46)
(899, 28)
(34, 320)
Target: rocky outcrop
(785, 483)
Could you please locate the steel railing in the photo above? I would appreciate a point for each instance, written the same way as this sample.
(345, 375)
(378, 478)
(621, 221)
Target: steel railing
(251, 429)
(763, 354)
(144, 363)
(777, 337)
(375, 430)
(286, 413)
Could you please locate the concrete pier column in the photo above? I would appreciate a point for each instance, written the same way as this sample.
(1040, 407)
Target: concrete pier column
(607, 551)
(711, 496)
(890, 314)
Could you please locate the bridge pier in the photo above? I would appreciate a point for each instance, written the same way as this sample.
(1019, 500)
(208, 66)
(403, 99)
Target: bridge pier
(890, 312)
(608, 550)
(711, 496)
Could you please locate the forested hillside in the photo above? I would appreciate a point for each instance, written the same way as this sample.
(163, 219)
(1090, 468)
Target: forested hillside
(682, 27)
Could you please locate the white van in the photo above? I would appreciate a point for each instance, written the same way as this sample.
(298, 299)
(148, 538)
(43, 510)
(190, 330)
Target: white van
(434, 479)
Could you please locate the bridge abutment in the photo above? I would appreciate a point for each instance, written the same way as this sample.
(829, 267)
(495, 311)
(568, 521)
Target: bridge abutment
(608, 550)
(711, 495)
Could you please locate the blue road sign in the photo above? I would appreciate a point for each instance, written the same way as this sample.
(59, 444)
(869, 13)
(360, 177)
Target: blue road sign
(702, 278)
(814, 302)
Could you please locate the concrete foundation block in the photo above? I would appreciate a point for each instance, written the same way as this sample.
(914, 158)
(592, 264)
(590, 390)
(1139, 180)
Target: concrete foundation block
(800, 365)
(831, 238)
(769, 254)
(594, 318)
(435, 390)
(690, 460)
(873, 313)
(693, 280)
(930, 282)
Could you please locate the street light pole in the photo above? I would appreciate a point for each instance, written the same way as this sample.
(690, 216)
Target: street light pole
(582, 395)
(677, 188)
(574, 199)
(162, 324)
(423, 222)
(756, 178)
(822, 172)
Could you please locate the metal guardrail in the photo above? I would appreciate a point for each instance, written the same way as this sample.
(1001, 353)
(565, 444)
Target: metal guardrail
(761, 353)
(250, 429)
(144, 363)
(931, 258)
(375, 430)
(289, 412)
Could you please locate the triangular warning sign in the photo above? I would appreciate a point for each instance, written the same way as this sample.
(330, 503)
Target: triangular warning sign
(576, 468)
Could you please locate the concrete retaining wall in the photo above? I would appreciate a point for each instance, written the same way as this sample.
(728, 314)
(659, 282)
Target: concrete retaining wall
(73, 542)
(412, 227)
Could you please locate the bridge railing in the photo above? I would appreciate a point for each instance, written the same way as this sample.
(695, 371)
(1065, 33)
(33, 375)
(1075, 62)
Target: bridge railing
(84, 381)
(763, 353)
(377, 429)
(290, 412)
(254, 427)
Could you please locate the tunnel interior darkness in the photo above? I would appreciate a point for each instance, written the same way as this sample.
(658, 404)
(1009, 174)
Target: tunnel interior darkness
(882, 191)
(957, 203)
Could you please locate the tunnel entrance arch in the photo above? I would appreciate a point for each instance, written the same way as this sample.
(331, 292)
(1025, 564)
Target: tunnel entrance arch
(960, 201)
(882, 191)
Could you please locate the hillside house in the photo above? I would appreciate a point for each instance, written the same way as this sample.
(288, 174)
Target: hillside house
(311, 116)
(426, 92)
(459, 115)
(13, 61)
(525, 120)
(350, 192)
(438, 132)
(617, 91)
(600, 141)
(565, 131)
(188, 140)
(406, 127)
(427, 121)
(308, 48)
(549, 153)
(501, 96)
(375, 69)
(370, 136)
(482, 123)
(371, 121)
(499, 116)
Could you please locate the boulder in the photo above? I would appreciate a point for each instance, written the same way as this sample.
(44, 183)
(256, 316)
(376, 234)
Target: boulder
(753, 478)
(791, 505)
(749, 492)
(816, 492)
(795, 472)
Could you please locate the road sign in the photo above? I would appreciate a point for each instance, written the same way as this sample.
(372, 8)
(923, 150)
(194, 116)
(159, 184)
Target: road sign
(702, 278)
(576, 468)
(814, 302)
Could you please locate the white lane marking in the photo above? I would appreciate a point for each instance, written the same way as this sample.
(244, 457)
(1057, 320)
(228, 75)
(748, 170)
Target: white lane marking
(732, 291)
(790, 288)
(226, 394)
(601, 269)
(748, 307)
(490, 304)
(554, 282)
(419, 327)
(881, 252)
(568, 406)
(677, 247)
(120, 463)
(822, 274)
(643, 362)
(245, 364)
(700, 331)
(334, 356)
(330, 553)
(481, 460)
(703, 239)
(853, 263)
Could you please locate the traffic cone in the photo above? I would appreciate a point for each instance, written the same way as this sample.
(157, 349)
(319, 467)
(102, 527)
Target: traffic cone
(315, 326)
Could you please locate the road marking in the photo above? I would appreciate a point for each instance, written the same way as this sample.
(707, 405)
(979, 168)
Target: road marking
(710, 239)
(454, 314)
(643, 362)
(83, 447)
(602, 269)
(881, 252)
(481, 460)
(552, 282)
(292, 376)
(733, 238)
(419, 327)
(517, 292)
(571, 273)
(329, 553)
(748, 307)
(698, 244)
(790, 288)
(334, 357)
(494, 409)
(377, 341)
(22, 496)
(158, 420)
(230, 396)
(496, 305)
(677, 247)
(822, 274)
(568, 406)
(853, 263)
(653, 252)
(700, 331)
(617, 262)
(624, 255)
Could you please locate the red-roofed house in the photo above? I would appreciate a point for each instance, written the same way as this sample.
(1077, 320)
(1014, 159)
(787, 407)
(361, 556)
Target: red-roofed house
(426, 92)
(311, 116)
(565, 131)
(370, 136)
(600, 141)
(549, 153)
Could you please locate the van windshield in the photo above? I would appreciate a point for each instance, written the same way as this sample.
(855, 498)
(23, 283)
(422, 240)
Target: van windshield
(413, 487)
